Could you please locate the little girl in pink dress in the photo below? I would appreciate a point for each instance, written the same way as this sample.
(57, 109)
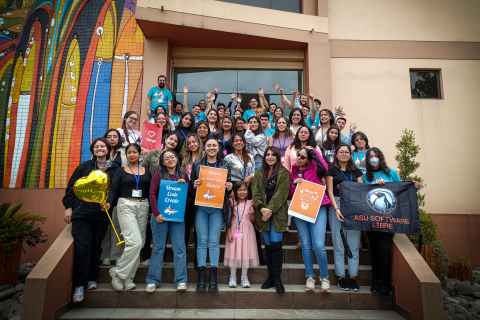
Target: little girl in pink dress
(241, 245)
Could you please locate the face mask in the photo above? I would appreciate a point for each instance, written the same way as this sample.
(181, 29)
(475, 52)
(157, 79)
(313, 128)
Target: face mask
(374, 161)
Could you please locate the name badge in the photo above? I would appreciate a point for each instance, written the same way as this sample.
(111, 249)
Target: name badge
(136, 193)
(225, 152)
(160, 100)
(238, 234)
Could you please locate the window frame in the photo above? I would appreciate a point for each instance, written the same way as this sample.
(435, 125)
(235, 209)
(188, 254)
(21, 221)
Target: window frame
(300, 6)
(438, 71)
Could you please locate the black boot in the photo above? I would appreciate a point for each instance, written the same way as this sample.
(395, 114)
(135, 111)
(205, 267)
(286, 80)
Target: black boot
(212, 286)
(277, 260)
(268, 254)
(202, 281)
(384, 289)
(375, 286)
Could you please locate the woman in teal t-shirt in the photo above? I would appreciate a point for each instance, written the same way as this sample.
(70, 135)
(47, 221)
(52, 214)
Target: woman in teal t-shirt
(377, 172)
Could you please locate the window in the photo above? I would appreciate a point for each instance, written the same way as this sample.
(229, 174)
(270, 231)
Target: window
(244, 82)
(425, 84)
(283, 5)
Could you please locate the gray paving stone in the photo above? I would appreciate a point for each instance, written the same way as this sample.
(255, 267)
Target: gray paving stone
(326, 314)
(265, 314)
(88, 313)
(378, 314)
(204, 314)
(141, 313)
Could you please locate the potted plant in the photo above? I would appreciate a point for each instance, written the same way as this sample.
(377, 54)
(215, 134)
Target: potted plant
(17, 227)
(432, 250)
(461, 270)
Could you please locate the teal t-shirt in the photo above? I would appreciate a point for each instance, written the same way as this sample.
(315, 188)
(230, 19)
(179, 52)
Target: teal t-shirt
(159, 97)
(269, 132)
(382, 176)
(201, 116)
(360, 159)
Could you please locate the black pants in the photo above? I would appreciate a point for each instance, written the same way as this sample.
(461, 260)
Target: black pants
(380, 258)
(146, 251)
(87, 238)
(259, 245)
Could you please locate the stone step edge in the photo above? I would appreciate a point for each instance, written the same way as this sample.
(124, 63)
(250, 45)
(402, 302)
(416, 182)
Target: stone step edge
(296, 266)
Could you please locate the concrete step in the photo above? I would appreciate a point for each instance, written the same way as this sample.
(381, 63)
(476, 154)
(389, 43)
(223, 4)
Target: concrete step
(290, 254)
(187, 314)
(291, 274)
(295, 297)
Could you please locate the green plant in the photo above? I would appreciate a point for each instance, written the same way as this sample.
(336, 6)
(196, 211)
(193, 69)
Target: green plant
(464, 261)
(16, 225)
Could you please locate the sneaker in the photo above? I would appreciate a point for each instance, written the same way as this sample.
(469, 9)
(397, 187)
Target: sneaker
(78, 295)
(384, 291)
(245, 282)
(353, 285)
(182, 287)
(326, 285)
(151, 287)
(343, 284)
(117, 283)
(128, 285)
(91, 285)
(106, 262)
(146, 263)
(310, 286)
(375, 286)
(232, 283)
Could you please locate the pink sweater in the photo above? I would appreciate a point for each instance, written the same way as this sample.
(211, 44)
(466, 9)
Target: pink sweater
(310, 174)
(291, 157)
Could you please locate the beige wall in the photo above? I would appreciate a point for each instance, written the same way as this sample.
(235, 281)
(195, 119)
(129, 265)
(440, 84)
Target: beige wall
(375, 94)
(427, 20)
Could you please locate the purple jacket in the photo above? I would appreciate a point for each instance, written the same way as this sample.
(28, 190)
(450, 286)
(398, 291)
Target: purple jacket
(314, 172)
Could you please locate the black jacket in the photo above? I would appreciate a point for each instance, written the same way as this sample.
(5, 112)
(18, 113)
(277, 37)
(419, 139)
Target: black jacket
(227, 209)
(83, 209)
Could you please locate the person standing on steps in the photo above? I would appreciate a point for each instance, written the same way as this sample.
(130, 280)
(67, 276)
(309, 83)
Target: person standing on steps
(377, 172)
(341, 123)
(169, 170)
(256, 140)
(209, 221)
(331, 143)
(359, 155)
(159, 96)
(282, 137)
(89, 223)
(254, 109)
(343, 169)
(270, 192)
(131, 185)
(310, 166)
(241, 245)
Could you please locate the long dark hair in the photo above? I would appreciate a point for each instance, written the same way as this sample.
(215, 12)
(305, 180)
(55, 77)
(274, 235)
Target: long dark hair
(382, 163)
(259, 129)
(297, 144)
(241, 113)
(104, 140)
(350, 165)
(192, 125)
(136, 147)
(302, 122)
(239, 119)
(204, 122)
(245, 157)
(288, 132)
(219, 154)
(164, 174)
(124, 126)
(332, 121)
(233, 130)
(237, 185)
(327, 145)
(276, 168)
(217, 124)
(178, 147)
(364, 137)
(119, 143)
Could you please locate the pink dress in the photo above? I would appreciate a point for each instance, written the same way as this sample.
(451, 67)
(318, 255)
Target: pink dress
(242, 252)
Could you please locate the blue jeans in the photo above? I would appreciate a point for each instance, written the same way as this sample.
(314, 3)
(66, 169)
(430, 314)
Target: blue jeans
(272, 236)
(177, 234)
(258, 163)
(313, 234)
(353, 240)
(208, 223)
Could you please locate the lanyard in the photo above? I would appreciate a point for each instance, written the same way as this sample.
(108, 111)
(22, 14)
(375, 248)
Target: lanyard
(254, 112)
(361, 161)
(171, 178)
(226, 140)
(238, 216)
(161, 93)
(381, 172)
(137, 179)
(245, 169)
(134, 135)
(197, 118)
(351, 178)
(181, 130)
(282, 147)
(103, 164)
(176, 118)
(208, 164)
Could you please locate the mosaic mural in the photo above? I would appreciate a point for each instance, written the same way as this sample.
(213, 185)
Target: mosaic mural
(69, 70)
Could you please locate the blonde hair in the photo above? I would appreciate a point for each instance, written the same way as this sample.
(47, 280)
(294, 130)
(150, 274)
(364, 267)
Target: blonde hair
(187, 155)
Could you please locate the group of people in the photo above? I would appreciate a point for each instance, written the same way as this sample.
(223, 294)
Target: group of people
(267, 155)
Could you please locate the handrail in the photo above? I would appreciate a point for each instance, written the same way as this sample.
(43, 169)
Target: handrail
(418, 291)
(48, 287)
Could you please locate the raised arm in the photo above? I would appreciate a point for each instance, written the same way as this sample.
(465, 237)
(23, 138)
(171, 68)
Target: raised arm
(312, 104)
(185, 93)
(291, 104)
(261, 97)
(232, 97)
(209, 103)
(215, 95)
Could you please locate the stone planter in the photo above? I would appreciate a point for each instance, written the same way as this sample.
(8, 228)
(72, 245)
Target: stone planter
(462, 273)
(429, 257)
(10, 265)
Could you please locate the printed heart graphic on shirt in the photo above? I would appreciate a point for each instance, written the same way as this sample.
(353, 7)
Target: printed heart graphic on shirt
(151, 134)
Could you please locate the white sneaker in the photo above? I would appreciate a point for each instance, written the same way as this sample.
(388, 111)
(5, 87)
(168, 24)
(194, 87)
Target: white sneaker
(310, 285)
(182, 287)
(245, 283)
(106, 262)
(151, 288)
(128, 285)
(232, 283)
(146, 263)
(326, 285)
(78, 295)
(91, 285)
(117, 283)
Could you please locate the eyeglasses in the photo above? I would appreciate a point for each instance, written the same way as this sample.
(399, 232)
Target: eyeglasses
(168, 158)
(358, 140)
(344, 153)
(133, 119)
(301, 156)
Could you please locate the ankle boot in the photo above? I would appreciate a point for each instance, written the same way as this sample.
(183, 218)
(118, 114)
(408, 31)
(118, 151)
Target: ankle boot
(384, 289)
(277, 260)
(268, 255)
(212, 286)
(202, 281)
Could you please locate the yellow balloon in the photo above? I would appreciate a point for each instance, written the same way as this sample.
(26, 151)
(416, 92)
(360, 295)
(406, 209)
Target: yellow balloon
(93, 188)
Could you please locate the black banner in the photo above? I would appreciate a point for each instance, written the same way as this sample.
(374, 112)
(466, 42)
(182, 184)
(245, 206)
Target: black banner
(391, 207)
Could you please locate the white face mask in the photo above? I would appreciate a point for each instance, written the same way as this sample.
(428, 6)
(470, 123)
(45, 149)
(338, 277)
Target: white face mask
(374, 161)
